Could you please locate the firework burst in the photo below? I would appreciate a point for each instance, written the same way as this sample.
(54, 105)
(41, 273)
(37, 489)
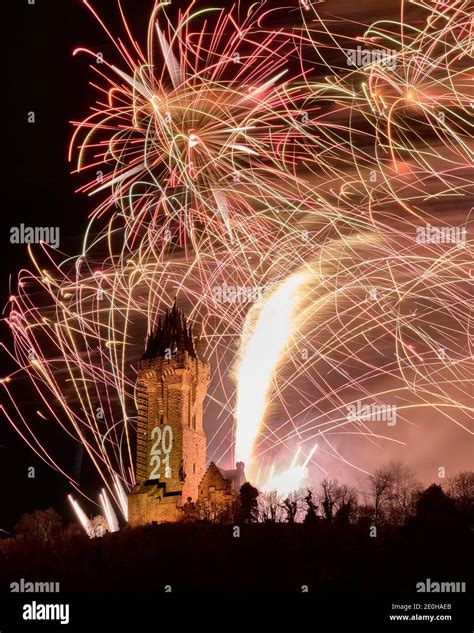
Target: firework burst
(200, 135)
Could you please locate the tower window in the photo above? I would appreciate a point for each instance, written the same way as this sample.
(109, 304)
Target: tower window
(161, 418)
(194, 469)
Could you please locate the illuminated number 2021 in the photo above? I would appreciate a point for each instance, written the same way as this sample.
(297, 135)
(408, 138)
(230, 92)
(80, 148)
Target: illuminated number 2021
(160, 451)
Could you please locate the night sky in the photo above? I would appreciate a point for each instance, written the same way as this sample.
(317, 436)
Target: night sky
(44, 77)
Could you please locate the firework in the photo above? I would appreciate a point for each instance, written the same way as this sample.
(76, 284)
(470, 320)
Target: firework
(283, 208)
(200, 135)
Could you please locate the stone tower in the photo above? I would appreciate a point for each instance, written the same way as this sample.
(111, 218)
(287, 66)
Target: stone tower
(171, 445)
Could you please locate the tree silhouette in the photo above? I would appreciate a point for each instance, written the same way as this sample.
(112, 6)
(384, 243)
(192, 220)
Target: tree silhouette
(434, 505)
(248, 498)
(270, 505)
(380, 487)
(41, 525)
(394, 491)
(311, 515)
(346, 502)
(461, 490)
(290, 506)
(338, 501)
(328, 498)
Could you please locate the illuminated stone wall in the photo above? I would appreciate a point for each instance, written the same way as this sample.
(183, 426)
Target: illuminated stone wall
(171, 444)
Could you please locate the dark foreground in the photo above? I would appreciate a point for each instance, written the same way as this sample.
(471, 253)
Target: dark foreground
(337, 578)
(272, 557)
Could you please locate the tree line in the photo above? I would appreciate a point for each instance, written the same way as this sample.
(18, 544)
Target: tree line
(393, 495)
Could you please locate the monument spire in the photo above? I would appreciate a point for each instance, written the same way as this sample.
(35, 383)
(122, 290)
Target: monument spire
(172, 334)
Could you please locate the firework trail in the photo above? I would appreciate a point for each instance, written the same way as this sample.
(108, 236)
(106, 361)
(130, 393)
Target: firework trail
(401, 138)
(264, 337)
(238, 166)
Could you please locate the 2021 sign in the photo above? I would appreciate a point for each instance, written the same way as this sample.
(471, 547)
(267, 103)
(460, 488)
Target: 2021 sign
(160, 451)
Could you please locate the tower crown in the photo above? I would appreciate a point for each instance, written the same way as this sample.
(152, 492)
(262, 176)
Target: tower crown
(173, 334)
